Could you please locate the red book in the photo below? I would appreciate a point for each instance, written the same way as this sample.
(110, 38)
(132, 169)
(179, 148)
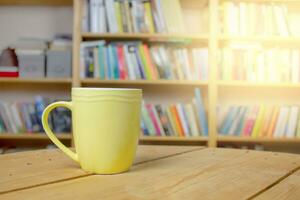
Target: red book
(9, 74)
(122, 63)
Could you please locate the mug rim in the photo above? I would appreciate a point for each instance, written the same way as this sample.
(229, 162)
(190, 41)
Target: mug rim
(104, 89)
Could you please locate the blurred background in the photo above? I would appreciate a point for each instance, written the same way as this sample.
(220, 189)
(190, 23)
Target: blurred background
(218, 73)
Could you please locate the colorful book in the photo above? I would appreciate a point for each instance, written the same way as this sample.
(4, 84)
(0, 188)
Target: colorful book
(183, 120)
(177, 121)
(236, 119)
(172, 121)
(154, 119)
(250, 121)
(273, 121)
(147, 120)
(266, 121)
(164, 120)
(259, 122)
(242, 120)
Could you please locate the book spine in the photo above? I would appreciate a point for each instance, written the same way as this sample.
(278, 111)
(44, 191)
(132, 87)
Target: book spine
(147, 120)
(201, 111)
(172, 121)
(153, 70)
(153, 119)
(258, 123)
(102, 61)
(121, 61)
(182, 119)
(273, 121)
(163, 119)
(144, 62)
(177, 121)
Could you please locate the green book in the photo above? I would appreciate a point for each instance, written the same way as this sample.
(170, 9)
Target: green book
(144, 62)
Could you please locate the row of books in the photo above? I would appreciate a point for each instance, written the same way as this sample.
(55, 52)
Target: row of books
(243, 18)
(260, 121)
(21, 117)
(136, 60)
(178, 119)
(260, 65)
(149, 16)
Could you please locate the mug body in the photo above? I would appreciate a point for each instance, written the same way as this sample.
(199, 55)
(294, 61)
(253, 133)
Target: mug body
(106, 128)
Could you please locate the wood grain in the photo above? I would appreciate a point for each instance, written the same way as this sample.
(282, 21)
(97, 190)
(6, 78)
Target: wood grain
(287, 189)
(29, 169)
(206, 174)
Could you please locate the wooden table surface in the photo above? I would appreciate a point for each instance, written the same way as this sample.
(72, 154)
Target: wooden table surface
(159, 172)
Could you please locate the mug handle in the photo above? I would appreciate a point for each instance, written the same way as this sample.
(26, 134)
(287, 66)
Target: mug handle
(50, 134)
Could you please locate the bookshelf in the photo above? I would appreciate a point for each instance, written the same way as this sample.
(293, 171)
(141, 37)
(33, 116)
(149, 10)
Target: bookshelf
(213, 88)
(36, 2)
(67, 81)
(154, 83)
(148, 37)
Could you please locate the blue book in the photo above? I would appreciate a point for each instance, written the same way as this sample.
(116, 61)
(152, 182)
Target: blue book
(229, 120)
(40, 106)
(101, 59)
(201, 112)
(110, 62)
(139, 62)
(116, 73)
(186, 119)
(241, 122)
(26, 117)
(225, 120)
(235, 120)
(144, 128)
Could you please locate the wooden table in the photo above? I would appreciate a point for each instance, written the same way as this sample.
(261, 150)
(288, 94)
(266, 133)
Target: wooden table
(159, 172)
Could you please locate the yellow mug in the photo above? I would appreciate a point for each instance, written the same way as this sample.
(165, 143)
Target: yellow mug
(106, 128)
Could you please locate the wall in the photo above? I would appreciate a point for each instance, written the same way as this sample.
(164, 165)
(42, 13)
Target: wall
(33, 21)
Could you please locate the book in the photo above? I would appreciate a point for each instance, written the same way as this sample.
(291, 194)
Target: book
(182, 118)
(172, 121)
(229, 119)
(173, 17)
(273, 121)
(235, 122)
(177, 122)
(241, 122)
(110, 6)
(266, 121)
(147, 120)
(164, 120)
(194, 130)
(279, 130)
(292, 122)
(258, 122)
(201, 112)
